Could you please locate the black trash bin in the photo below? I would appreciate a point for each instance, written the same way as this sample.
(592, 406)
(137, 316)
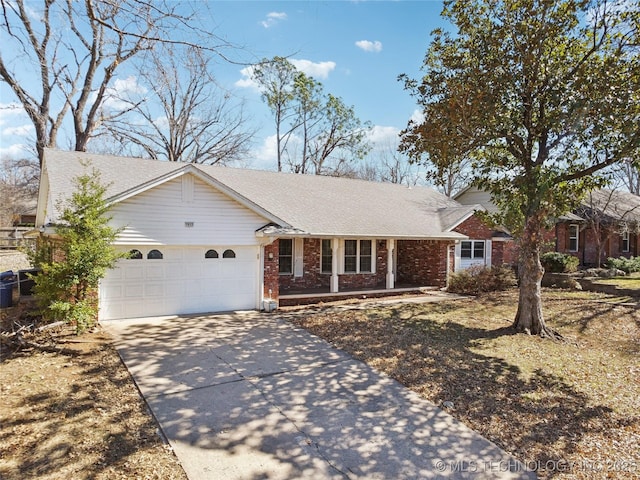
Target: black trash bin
(26, 282)
(7, 281)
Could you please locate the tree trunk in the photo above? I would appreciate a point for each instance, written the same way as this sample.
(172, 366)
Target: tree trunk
(529, 318)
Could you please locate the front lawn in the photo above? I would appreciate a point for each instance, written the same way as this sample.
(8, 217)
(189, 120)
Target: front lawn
(621, 282)
(569, 409)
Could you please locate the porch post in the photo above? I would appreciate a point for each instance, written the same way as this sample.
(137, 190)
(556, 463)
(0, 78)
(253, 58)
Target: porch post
(334, 286)
(390, 247)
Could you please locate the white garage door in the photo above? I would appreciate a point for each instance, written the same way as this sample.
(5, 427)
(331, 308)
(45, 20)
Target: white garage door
(184, 280)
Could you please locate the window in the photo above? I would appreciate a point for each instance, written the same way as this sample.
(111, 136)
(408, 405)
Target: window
(211, 254)
(327, 256)
(358, 256)
(365, 256)
(472, 249)
(625, 241)
(155, 255)
(229, 254)
(574, 237)
(350, 256)
(285, 259)
(135, 254)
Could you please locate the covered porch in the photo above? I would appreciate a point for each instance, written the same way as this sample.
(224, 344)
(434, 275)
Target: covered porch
(304, 270)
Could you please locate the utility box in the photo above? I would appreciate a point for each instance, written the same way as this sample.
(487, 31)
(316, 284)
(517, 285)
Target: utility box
(269, 305)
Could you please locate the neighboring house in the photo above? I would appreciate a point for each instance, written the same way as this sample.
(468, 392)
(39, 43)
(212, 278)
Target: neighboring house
(486, 246)
(206, 238)
(607, 224)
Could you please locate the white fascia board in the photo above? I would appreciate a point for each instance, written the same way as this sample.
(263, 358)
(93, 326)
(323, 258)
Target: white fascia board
(376, 236)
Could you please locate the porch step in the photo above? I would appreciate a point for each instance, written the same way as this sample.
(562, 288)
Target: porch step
(311, 298)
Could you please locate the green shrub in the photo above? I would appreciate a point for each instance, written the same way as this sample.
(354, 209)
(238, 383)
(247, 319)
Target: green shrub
(556, 262)
(478, 279)
(74, 262)
(628, 265)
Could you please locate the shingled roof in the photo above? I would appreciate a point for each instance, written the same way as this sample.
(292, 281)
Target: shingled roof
(303, 204)
(612, 205)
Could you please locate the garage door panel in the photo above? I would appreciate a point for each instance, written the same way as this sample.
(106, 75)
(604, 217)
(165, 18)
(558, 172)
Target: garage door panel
(154, 290)
(155, 272)
(183, 281)
(115, 292)
(133, 291)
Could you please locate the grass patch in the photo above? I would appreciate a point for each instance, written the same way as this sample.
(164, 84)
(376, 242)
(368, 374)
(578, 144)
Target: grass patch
(77, 416)
(542, 401)
(622, 282)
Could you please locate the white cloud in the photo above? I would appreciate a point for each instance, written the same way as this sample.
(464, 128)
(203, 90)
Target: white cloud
(21, 130)
(119, 95)
(273, 18)
(17, 150)
(369, 46)
(384, 136)
(247, 80)
(9, 111)
(417, 116)
(266, 154)
(318, 70)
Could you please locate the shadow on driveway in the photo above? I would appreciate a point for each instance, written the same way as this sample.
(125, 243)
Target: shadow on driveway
(250, 396)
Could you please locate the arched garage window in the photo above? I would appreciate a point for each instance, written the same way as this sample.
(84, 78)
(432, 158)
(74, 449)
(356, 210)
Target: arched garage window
(211, 254)
(154, 255)
(229, 254)
(135, 254)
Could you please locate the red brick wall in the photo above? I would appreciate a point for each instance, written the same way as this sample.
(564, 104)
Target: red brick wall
(588, 249)
(368, 280)
(422, 262)
(313, 278)
(475, 228)
(271, 281)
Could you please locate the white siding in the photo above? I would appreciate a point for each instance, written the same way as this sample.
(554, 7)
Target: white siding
(473, 196)
(160, 216)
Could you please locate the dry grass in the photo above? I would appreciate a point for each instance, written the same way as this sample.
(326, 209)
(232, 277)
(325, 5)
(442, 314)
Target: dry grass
(77, 416)
(572, 406)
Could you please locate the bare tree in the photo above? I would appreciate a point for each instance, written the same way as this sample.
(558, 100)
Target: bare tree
(386, 164)
(199, 122)
(627, 172)
(76, 49)
(18, 187)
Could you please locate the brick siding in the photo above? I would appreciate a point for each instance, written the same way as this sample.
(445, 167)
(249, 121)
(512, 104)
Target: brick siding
(313, 279)
(422, 262)
(271, 280)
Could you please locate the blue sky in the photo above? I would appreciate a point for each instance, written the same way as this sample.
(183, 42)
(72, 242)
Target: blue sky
(356, 49)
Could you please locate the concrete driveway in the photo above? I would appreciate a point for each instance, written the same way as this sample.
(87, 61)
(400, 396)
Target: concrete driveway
(250, 396)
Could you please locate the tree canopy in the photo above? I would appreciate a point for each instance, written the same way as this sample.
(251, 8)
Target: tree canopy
(541, 96)
(315, 131)
(79, 255)
(76, 49)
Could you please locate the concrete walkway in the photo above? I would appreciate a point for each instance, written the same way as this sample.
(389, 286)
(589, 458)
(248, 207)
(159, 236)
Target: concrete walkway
(250, 396)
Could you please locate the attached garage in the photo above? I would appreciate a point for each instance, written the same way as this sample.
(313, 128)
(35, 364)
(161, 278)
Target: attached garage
(162, 280)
